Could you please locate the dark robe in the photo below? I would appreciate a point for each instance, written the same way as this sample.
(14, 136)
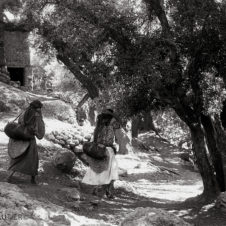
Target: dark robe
(28, 162)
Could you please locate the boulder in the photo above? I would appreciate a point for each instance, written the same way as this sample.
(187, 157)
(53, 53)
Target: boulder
(64, 160)
(152, 217)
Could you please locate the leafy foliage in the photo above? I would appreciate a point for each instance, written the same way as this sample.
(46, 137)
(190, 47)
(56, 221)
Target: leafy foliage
(172, 127)
(130, 50)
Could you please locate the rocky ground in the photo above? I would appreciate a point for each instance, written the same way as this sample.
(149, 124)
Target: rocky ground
(155, 186)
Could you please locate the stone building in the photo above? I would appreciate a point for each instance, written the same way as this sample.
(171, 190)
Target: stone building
(17, 56)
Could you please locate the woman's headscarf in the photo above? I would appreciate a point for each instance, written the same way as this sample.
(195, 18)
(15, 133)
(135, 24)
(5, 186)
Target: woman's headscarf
(36, 104)
(104, 119)
(31, 111)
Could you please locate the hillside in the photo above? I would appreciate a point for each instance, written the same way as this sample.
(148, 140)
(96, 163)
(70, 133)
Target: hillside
(155, 178)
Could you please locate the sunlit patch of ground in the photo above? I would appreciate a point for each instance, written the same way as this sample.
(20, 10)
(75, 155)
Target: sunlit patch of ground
(162, 174)
(167, 191)
(151, 181)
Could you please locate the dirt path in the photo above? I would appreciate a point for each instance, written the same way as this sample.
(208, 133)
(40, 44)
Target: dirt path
(155, 179)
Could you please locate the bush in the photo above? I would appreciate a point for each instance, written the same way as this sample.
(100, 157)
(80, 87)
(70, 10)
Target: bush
(59, 110)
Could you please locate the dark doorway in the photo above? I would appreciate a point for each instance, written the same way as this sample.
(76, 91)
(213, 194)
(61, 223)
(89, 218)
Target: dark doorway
(16, 74)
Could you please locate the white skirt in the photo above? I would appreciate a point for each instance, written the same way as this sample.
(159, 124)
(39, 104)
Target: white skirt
(106, 176)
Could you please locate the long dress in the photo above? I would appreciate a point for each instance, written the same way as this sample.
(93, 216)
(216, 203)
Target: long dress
(28, 162)
(109, 165)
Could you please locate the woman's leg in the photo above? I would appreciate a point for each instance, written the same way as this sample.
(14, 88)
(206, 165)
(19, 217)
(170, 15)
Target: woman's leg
(99, 190)
(33, 181)
(110, 190)
(95, 191)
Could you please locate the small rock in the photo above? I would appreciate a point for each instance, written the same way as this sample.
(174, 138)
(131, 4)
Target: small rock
(65, 137)
(59, 137)
(78, 137)
(88, 137)
(62, 142)
(78, 149)
(50, 137)
(60, 219)
(76, 142)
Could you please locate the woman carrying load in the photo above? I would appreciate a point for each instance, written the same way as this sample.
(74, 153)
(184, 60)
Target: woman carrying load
(103, 173)
(28, 162)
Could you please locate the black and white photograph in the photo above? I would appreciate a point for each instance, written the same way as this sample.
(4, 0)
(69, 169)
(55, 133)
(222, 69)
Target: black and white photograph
(112, 112)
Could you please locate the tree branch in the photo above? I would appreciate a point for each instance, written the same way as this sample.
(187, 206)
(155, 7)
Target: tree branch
(118, 35)
(86, 82)
(156, 7)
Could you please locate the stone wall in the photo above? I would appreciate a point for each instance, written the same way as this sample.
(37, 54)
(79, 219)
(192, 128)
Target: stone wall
(17, 53)
(17, 49)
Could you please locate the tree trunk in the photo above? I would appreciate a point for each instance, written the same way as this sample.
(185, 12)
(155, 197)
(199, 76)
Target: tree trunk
(199, 146)
(221, 140)
(157, 7)
(135, 126)
(214, 150)
(220, 134)
(2, 52)
(148, 123)
(83, 100)
(92, 115)
(85, 81)
(62, 55)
